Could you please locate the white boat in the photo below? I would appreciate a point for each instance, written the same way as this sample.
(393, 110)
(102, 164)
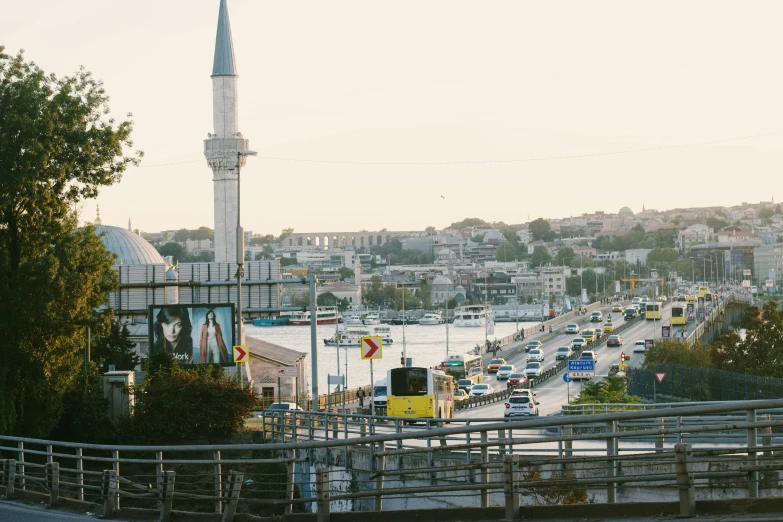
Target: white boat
(371, 319)
(352, 320)
(325, 315)
(431, 318)
(472, 315)
(353, 336)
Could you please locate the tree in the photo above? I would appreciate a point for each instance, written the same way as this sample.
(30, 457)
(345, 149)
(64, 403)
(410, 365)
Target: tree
(540, 256)
(202, 233)
(429, 229)
(284, 234)
(540, 229)
(175, 250)
(345, 273)
(116, 348)
(564, 256)
(716, 224)
(58, 146)
(287, 261)
(766, 213)
(506, 252)
(411, 301)
(182, 235)
(607, 390)
(425, 294)
(327, 299)
(467, 223)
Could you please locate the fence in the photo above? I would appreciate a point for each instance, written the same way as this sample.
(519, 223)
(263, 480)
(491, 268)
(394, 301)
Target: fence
(697, 384)
(715, 320)
(324, 462)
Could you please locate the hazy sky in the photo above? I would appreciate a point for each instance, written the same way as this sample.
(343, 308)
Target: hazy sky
(365, 113)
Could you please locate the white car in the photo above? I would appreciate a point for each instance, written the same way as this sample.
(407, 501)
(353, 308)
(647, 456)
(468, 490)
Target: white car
(518, 405)
(572, 328)
(639, 346)
(505, 370)
(563, 352)
(480, 389)
(578, 343)
(535, 355)
(533, 369)
(523, 392)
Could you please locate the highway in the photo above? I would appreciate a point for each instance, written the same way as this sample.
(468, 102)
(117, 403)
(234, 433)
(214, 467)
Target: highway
(552, 394)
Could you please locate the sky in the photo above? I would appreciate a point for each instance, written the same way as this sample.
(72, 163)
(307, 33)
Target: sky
(401, 115)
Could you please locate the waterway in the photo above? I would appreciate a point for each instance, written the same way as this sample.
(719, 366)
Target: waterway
(426, 345)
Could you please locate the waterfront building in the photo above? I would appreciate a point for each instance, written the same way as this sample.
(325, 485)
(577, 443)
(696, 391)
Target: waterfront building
(768, 266)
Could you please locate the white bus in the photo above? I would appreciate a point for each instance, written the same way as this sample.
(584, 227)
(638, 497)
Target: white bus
(462, 366)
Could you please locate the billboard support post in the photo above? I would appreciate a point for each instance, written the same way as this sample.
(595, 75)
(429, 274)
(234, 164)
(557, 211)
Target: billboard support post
(313, 338)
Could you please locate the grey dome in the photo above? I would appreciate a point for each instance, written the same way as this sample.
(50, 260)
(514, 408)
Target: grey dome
(130, 248)
(625, 210)
(441, 280)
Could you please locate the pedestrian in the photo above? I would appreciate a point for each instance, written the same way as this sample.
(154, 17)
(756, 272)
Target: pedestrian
(522, 334)
(360, 395)
(550, 329)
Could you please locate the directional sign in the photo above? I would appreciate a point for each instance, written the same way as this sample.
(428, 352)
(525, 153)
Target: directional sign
(660, 376)
(372, 347)
(581, 365)
(746, 272)
(287, 371)
(583, 375)
(566, 378)
(241, 353)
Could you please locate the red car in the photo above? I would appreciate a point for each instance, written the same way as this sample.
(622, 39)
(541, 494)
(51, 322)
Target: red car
(614, 340)
(516, 379)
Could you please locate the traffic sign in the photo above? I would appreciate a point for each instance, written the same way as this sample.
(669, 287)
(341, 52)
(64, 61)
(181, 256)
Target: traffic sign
(581, 365)
(241, 353)
(566, 378)
(287, 371)
(335, 379)
(660, 376)
(583, 375)
(746, 272)
(372, 347)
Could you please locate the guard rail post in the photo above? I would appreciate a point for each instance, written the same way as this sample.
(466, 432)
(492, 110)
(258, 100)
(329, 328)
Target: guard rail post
(322, 494)
(430, 456)
(362, 428)
(659, 440)
(290, 483)
(217, 469)
(484, 469)
(510, 480)
(115, 456)
(52, 470)
(753, 476)
(682, 458)
(234, 488)
(380, 464)
(9, 476)
(108, 492)
(20, 464)
(611, 462)
(167, 495)
(159, 473)
(79, 475)
(501, 447)
(771, 477)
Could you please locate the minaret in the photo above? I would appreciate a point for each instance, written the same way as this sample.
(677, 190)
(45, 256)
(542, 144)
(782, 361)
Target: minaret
(221, 148)
(98, 221)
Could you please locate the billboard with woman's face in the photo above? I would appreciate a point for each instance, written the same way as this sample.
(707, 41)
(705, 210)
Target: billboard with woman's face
(193, 334)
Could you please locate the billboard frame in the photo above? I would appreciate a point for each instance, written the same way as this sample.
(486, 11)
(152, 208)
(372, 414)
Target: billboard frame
(227, 328)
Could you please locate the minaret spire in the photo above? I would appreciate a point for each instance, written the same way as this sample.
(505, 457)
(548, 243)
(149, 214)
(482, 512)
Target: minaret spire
(224, 64)
(98, 216)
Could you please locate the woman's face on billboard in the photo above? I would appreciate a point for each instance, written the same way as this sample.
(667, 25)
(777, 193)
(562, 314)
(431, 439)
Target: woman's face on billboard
(172, 329)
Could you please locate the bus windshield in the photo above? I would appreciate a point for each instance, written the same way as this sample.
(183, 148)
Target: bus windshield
(408, 381)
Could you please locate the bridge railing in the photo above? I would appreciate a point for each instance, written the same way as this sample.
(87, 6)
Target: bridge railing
(628, 456)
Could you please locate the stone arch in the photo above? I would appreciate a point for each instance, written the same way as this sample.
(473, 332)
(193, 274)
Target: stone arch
(361, 241)
(379, 240)
(345, 241)
(326, 243)
(335, 243)
(309, 241)
(290, 242)
(353, 241)
(369, 240)
(299, 240)
(388, 238)
(318, 241)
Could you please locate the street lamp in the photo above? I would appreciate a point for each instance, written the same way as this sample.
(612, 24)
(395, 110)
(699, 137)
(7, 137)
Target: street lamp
(240, 240)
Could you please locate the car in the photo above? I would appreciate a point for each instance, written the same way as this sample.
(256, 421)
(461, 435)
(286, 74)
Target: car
(533, 369)
(577, 343)
(615, 370)
(588, 335)
(589, 355)
(533, 344)
(278, 409)
(504, 371)
(494, 364)
(663, 298)
(607, 328)
(630, 313)
(614, 340)
(519, 406)
(480, 389)
(563, 352)
(516, 379)
(690, 298)
(460, 395)
(636, 300)
(572, 328)
(617, 308)
(465, 385)
(639, 346)
(523, 392)
(596, 317)
(535, 355)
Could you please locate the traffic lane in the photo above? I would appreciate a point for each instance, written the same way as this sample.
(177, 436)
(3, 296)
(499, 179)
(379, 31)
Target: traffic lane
(20, 512)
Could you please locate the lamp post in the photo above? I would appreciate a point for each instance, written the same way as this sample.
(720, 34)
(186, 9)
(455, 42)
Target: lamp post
(240, 241)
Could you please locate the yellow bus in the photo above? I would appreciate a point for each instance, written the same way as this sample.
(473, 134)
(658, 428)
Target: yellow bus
(652, 310)
(679, 314)
(420, 393)
(703, 290)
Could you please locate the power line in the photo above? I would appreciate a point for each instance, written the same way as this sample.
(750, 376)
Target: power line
(499, 161)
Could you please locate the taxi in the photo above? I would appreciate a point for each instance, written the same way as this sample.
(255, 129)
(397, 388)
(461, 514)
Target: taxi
(690, 298)
(460, 395)
(617, 308)
(588, 335)
(495, 364)
(608, 327)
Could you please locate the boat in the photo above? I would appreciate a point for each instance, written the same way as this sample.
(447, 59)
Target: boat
(325, 315)
(472, 315)
(352, 320)
(371, 319)
(271, 321)
(407, 320)
(353, 336)
(431, 318)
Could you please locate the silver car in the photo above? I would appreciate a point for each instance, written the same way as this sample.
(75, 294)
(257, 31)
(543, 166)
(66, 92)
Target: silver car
(535, 355)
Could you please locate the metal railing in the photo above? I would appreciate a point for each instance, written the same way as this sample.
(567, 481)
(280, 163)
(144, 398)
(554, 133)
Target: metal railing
(714, 316)
(330, 461)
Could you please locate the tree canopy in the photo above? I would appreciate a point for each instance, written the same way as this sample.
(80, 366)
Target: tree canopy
(58, 146)
(506, 252)
(541, 230)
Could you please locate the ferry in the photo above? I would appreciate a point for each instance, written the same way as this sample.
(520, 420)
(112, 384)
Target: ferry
(472, 315)
(326, 315)
(271, 321)
(353, 336)
(431, 318)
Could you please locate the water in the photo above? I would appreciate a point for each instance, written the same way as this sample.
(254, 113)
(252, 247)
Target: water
(426, 345)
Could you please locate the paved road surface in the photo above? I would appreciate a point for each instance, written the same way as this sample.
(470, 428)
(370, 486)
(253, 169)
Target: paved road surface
(21, 512)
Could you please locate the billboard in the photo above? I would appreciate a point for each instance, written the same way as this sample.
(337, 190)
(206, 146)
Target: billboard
(193, 334)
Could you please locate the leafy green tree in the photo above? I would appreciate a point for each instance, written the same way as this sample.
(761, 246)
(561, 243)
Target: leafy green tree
(609, 390)
(662, 255)
(425, 294)
(506, 252)
(540, 229)
(284, 234)
(478, 238)
(467, 223)
(202, 233)
(716, 224)
(766, 213)
(429, 229)
(345, 273)
(529, 299)
(376, 294)
(672, 351)
(115, 347)
(175, 250)
(540, 256)
(182, 235)
(582, 262)
(58, 146)
(564, 256)
(411, 301)
(327, 299)
(85, 414)
(287, 261)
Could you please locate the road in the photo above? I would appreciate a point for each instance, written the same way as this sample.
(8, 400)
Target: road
(552, 394)
(21, 512)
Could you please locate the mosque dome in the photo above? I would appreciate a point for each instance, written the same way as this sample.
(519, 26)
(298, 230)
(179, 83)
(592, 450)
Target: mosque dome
(130, 248)
(625, 211)
(441, 280)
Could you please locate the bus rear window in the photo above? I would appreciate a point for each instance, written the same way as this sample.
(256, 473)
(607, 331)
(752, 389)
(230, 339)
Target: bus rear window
(408, 381)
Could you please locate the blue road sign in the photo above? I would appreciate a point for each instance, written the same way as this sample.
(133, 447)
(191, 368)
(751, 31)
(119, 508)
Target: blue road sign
(581, 365)
(566, 378)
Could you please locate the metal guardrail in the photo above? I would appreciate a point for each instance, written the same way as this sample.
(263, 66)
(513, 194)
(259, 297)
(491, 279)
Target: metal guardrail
(696, 335)
(473, 463)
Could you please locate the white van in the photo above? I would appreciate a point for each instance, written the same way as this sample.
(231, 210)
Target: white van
(379, 393)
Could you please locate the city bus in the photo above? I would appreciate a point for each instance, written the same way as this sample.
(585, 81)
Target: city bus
(703, 290)
(420, 393)
(652, 310)
(679, 314)
(462, 366)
